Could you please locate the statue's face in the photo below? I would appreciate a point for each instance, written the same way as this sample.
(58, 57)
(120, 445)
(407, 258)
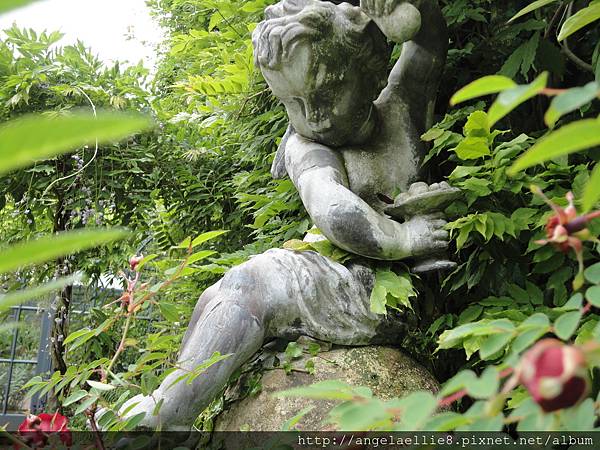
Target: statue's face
(327, 98)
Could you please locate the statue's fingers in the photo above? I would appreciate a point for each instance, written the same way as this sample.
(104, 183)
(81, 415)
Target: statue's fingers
(435, 216)
(440, 245)
(439, 223)
(390, 6)
(441, 235)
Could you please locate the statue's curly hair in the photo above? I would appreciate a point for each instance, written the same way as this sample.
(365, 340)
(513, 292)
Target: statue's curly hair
(291, 21)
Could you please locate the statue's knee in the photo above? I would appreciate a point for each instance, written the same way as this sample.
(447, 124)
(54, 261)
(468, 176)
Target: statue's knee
(254, 283)
(209, 293)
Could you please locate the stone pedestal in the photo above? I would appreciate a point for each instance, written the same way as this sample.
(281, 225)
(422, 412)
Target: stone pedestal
(386, 371)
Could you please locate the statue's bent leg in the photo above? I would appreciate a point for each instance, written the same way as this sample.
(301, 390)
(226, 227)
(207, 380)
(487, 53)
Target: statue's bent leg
(280, 293)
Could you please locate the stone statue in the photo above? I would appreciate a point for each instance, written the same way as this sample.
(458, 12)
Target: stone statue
(353, 140)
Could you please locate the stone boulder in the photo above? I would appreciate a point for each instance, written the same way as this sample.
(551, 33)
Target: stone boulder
(386, 371)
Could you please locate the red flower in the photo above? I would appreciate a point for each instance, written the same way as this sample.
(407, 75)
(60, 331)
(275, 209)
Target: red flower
(35, 430)
(134, 261)
(555, 374)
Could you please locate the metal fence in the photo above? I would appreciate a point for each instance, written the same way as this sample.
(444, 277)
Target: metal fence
(23, 355)
(25, 348)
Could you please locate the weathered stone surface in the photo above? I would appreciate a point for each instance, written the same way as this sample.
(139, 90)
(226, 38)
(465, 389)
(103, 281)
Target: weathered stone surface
(386, 371)
(353, 142)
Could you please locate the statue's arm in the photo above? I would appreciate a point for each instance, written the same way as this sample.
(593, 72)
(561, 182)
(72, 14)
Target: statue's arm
(415, 78)
(319, 174)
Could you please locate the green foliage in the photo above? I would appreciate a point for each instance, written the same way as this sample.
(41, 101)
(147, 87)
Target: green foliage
(508, 290)
(391, 290)
(206, 167)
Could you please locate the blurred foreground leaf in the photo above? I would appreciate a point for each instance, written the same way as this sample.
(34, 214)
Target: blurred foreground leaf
(55, 246)
(573, 137)
(7, 5)
(34, 137)
(491, 84)
(18, 297)
(532, 7)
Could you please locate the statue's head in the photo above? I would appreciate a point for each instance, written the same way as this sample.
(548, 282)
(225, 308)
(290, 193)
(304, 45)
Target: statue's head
(327, 63)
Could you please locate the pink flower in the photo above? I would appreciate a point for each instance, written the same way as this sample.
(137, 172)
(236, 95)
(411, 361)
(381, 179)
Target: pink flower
(567, 231)
(134, 261)
(35, 430)
(555, 374)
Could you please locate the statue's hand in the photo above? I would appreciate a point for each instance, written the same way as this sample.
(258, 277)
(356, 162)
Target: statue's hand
(379, 8)
(400, 20)
(427, 234)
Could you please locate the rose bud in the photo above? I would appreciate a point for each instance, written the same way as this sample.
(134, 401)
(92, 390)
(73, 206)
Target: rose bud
(555, 374)
(134, 261)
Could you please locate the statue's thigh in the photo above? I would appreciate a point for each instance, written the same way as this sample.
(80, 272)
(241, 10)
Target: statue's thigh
(309, 294)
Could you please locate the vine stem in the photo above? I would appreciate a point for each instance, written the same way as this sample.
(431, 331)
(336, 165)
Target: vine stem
(91, 417)
(121, 347)
(552, 92)
(567, 50)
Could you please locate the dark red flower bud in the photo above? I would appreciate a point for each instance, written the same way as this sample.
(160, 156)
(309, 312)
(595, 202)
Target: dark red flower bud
(555, 374)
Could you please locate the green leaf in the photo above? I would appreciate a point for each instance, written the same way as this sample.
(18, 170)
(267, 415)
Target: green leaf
(538, 320)
(419, 407)
(532, 7)
(592, 273)
(37, 293)
(207, 237)
(573, 137)
(378, 300)
(579, 20)
(51, 247)
(593, 295)
(169, 311)
(510, 99)
(145, 261)
(85, 405)
(100, 386)
(77, 334)
(565, 325)
(199, 256)
(292, 422)
(525, 339)
(7, 5)
(391, 290)
(472, 148)
(35, 137)
(591, 193)
(570, 101)
(484, 386)
(491, 84)
(493, 344)
(75, 397)
(293, 351)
